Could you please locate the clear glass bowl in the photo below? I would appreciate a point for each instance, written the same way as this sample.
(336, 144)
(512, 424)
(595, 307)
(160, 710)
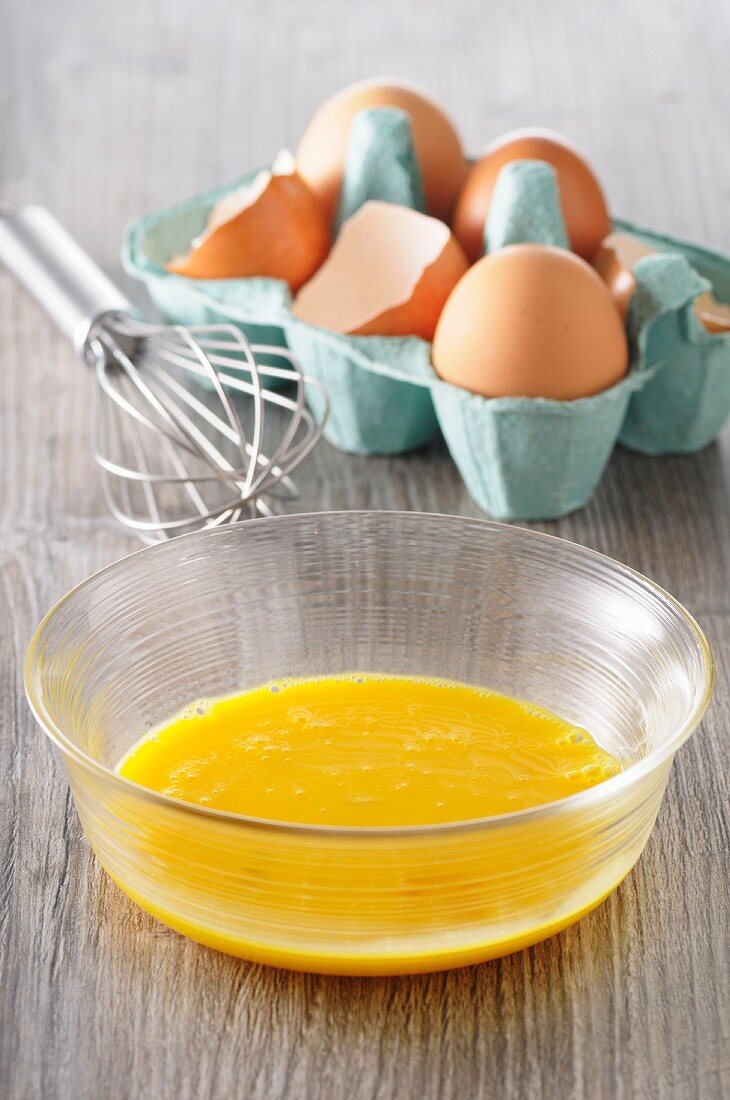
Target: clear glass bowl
(217, 612)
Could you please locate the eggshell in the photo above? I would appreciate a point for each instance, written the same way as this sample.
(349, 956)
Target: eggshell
(321, 153)
(274, 227)
(388, 274)
(531, 321)
(584, 206)
(714, 315)
(615, 262)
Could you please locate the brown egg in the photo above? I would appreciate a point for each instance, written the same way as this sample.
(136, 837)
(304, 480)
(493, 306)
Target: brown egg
(274, 227)
(531, 321)
(584, 207)
(321, 153)
(389, 273)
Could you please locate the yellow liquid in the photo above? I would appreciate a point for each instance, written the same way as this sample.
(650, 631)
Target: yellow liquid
(365, 750)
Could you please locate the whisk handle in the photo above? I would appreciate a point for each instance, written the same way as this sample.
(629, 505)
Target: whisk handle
(57, 272)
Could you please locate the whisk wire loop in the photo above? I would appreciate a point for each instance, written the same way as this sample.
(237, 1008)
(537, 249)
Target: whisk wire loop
(169, 432)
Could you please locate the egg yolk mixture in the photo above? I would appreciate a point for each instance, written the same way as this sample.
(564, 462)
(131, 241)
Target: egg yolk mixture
(367, 750)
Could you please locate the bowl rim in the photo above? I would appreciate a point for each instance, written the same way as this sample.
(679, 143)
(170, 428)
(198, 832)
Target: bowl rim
(579, 800)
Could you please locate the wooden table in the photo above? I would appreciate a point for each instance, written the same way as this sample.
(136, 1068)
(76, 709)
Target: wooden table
(110, 109)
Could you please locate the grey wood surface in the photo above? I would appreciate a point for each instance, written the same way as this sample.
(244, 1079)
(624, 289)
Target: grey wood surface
(108, 109)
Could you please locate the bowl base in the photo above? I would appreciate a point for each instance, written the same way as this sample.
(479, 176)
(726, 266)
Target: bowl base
(362, 964)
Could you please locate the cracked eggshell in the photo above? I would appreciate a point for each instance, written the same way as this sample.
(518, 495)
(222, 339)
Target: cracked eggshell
(321, 153)
(583, 204)
(273, 227)
(388, 274)
(531, 321)
(714, 315)
(615, 262)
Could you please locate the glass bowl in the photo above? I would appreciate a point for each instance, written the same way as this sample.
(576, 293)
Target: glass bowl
(216, 612)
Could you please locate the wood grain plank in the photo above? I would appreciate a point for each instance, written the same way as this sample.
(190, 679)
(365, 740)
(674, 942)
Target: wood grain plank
(107, 110)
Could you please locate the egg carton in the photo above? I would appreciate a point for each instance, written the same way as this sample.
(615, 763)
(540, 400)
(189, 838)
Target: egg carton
(686, 399)
(520, 458)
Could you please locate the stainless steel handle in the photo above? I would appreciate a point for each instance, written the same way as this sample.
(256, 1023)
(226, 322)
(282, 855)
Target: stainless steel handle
(57, 272)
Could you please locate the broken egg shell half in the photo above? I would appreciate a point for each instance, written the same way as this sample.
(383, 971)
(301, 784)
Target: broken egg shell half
(531, 321)
(389, 274)
(714, 315)
(321, 153)
(615, 262)
(272, 228)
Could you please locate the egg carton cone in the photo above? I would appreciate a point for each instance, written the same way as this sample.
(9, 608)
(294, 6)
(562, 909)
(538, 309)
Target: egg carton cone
(525, 207)
(380, 163)
(686, 401)
(255, 306)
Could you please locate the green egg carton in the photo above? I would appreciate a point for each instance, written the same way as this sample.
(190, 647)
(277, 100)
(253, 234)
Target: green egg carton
(520, 458)
(686, 402)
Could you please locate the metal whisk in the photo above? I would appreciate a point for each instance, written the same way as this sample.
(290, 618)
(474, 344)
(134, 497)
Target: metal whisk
(174, 456)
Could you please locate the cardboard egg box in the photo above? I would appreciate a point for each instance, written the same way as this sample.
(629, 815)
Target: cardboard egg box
(520, 458)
